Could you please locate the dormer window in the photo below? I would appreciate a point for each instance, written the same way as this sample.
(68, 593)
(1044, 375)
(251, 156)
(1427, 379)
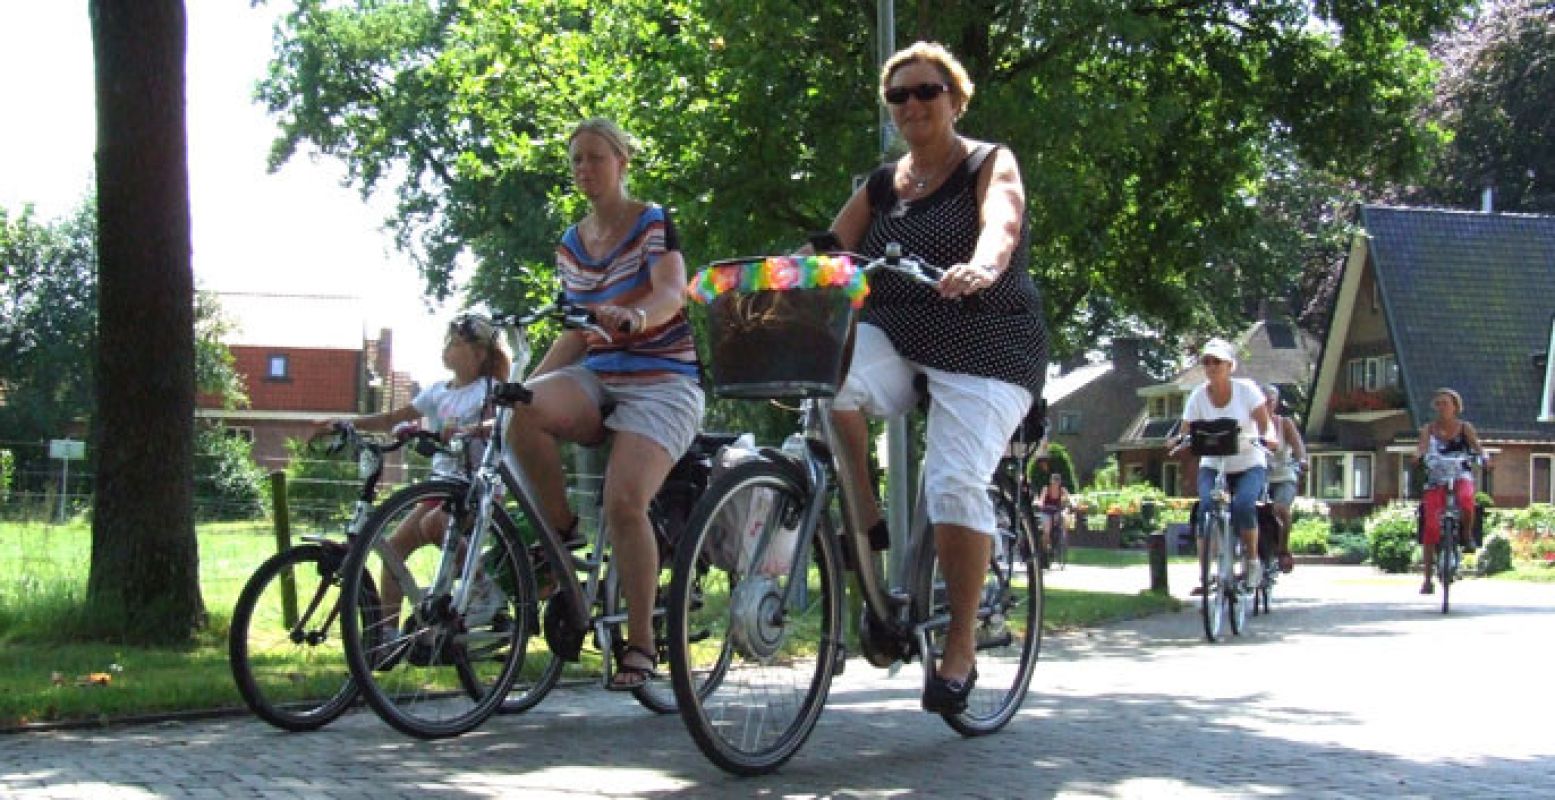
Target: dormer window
(1547, 407)
(278, 367)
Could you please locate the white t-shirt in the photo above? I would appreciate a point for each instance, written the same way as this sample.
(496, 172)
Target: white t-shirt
(445, 407)
(1246, 398)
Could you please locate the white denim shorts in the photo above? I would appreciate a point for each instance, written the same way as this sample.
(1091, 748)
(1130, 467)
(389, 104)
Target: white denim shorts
(667, 412)
(971, 419)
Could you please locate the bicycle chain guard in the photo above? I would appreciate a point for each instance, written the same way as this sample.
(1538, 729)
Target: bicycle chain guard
(880, 648)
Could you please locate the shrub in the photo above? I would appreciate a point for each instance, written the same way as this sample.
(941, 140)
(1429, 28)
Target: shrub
(1349, 547)
(1309, 537)
(7, 468)
(1391, 533)
(1057, 460)
(1496, 555)
(228, 485)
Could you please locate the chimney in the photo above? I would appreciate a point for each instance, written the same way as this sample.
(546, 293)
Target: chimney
(1125, 354)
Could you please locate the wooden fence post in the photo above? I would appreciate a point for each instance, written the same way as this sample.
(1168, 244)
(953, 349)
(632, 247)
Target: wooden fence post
(283, 542)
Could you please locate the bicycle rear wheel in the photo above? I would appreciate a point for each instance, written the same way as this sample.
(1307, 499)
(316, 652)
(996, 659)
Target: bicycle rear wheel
(284, 650)
(1009, 623)
(427, 669)
(1212, 603)
(750, 673)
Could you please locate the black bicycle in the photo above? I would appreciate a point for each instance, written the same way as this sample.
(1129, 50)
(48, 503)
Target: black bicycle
(283, 647)
(1445, 470)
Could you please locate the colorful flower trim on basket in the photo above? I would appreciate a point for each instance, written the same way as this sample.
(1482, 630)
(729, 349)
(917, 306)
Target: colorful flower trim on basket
(780, 273)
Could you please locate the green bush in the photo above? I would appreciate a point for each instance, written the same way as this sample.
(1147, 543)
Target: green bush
(1309, 536)
(1495, 555)
(1057, 460)
(227, 485)
(7, 468)
(319, 488)
(1391, 533)
(1349, 547)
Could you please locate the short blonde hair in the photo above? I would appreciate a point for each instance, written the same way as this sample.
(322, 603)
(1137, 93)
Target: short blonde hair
(605, 129)
(937, 56)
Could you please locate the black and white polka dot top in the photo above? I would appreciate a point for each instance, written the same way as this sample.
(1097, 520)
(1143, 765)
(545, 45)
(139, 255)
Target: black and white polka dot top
(996, 333)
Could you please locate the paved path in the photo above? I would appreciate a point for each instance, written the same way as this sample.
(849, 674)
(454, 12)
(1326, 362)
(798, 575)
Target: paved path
(1326, 698)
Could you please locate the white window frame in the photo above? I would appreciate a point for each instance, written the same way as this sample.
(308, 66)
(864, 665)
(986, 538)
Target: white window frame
(1350, 479)
(1372, 373)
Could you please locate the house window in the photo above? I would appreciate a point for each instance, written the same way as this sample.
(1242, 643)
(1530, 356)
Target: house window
(1136, 474)
(242, 434)
(1374, 373)
(1171, 478)
(1341, 476)
(278, 367)
(1069, 422)
(1542, 472)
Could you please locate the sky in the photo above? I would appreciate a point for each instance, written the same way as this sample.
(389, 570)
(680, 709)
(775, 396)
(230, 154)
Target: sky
(255, 235)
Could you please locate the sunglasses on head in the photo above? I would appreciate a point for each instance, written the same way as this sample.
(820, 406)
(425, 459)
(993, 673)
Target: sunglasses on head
(470, 328)
(925, 92)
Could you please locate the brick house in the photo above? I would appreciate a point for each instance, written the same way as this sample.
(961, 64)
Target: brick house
(1269, 351)
(1090, 405)
(298, 374)
(1432, 298)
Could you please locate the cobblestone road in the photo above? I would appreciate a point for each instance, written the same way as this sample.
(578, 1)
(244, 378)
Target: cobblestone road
(1329, 697)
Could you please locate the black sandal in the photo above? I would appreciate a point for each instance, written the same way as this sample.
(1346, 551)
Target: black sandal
(948, 697)
(635, 677)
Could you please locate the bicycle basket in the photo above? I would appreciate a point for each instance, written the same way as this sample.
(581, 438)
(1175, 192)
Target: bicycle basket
(1217, 437)
(1442, 471)
(771, 335)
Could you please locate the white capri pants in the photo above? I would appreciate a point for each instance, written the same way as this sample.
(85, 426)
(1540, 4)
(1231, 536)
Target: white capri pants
(971, 419)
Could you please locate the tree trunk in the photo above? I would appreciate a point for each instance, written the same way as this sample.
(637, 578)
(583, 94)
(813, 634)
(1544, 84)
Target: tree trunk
(144, 581)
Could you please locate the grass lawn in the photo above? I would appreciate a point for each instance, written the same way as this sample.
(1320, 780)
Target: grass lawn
(46, 672)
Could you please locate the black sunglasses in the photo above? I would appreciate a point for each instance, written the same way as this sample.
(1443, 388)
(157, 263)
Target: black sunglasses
(925, 92)
(470, 328)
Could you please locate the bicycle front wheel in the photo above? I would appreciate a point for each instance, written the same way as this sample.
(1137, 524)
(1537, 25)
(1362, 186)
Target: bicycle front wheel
(428, 669)
(1212, 602)
(750, 660)
(1446, 554)
(1240, 595)
(1008, 630)
(283, 647)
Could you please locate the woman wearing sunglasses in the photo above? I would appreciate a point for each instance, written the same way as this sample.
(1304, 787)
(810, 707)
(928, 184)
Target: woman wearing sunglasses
(623, 261)
(978, 336)
(1220, 398)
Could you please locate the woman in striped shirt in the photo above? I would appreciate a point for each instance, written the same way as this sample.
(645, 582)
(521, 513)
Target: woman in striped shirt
(640, 386)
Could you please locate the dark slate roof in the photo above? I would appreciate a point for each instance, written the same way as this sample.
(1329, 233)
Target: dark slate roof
(1468, 299)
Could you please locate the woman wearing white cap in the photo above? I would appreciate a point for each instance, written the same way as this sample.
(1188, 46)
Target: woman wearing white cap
(1223, 397)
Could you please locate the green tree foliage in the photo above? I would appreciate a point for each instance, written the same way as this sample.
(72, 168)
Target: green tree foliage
(1057, 460)
(1495, 98)
(48, 319)
(1149, 133)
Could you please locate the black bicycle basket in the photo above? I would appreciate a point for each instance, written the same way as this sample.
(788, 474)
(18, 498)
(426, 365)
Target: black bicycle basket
(1215, 437)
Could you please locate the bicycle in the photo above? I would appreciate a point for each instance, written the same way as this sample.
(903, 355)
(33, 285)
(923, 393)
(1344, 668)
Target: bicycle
(287, 660)
(1445, 470)
(474, 602)
(1226, 595)
(1269, 550)
(755, 613)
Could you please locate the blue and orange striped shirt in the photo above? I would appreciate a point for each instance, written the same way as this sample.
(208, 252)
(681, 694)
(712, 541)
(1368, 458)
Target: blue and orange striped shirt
(622, 277)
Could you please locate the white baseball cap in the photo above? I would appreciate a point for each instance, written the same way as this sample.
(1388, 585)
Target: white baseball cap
(1221, 349)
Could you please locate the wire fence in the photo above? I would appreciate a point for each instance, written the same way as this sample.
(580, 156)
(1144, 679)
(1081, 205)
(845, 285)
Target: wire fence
(46, 527)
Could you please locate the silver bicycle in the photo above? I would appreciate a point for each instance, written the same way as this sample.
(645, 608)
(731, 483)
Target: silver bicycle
(757, 599)
(454, 634)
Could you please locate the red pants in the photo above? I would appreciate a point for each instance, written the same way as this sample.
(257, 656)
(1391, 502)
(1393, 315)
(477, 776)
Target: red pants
(1435, 500)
